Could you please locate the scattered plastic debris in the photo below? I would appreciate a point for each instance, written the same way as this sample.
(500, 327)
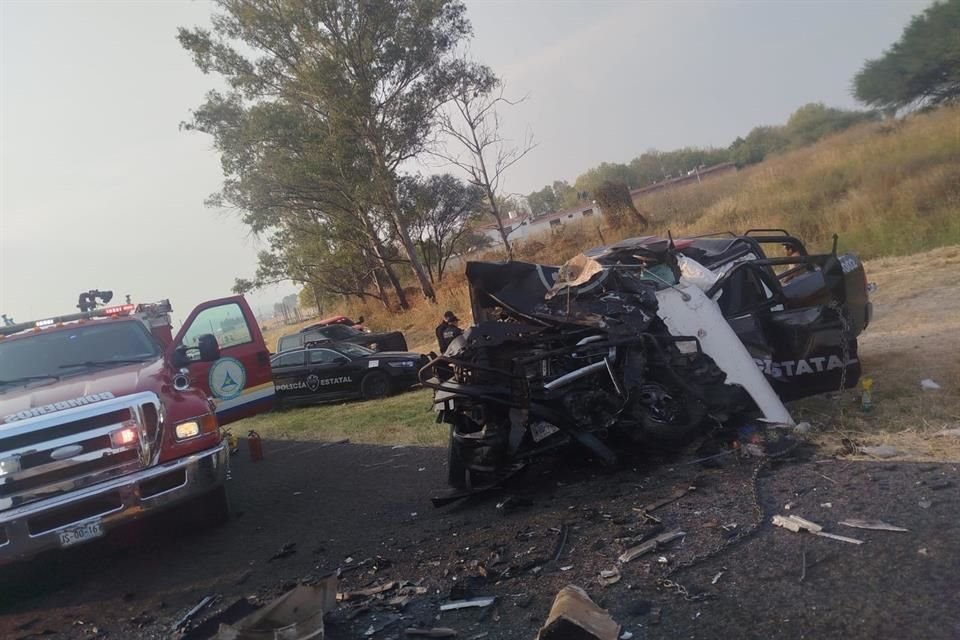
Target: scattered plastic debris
(366, 593)
(716, 578)
(929, 385)
(436, 632)
(575, 615)
(875, 525)
(924, 503)
(833, 536)
(609, 577)
(468, 604)
(827, 505)
(650, 545)
(796, 524)
(184, 623)
(296, 615)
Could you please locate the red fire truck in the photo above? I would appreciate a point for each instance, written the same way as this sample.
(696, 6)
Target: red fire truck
(106, 416)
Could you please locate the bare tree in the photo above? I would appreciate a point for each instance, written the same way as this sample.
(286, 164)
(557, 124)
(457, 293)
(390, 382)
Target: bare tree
(471, 125)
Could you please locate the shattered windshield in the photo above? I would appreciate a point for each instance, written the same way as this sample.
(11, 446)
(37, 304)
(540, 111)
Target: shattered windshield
(52, 354)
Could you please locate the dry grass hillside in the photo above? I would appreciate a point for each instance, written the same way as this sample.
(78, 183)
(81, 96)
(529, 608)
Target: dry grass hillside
(888, 189)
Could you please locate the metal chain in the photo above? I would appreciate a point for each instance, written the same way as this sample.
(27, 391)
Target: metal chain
(664, 581)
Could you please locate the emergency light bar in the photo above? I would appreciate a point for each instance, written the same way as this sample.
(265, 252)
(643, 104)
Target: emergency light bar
(148, 310)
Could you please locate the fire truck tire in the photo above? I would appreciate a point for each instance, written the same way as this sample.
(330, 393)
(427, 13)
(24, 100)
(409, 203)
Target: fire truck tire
(375, 384)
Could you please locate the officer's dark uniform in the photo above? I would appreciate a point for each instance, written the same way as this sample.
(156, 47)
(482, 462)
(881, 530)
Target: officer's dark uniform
(446, 332)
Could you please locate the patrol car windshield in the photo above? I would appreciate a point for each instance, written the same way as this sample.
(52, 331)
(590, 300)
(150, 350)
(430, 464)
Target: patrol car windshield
(353, 350)
(59, 352)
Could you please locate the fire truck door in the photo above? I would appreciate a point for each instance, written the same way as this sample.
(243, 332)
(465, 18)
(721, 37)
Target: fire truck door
(240, 381)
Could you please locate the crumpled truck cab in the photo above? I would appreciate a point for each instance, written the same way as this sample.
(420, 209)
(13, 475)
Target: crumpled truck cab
(106, 416)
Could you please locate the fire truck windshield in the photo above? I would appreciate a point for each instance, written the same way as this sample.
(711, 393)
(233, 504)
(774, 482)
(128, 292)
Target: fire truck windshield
(55, 353)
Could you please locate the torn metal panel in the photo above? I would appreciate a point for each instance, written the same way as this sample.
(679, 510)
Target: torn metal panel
(575, 615)
(296, 615)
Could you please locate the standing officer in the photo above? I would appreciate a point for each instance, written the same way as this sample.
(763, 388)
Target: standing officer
(447, 330)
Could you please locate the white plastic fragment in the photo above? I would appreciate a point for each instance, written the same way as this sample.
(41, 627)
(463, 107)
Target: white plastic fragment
(649, 545)
(833, 536)
(929, 385)
(875, 525)
(697, 274)
(609, 577)
(687, 311)
(467, 604)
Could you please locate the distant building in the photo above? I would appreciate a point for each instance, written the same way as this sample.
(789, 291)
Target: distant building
(553, 220)
(515, 225)
(694, 176)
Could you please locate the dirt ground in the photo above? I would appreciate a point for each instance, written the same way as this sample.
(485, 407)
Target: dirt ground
(366, 510)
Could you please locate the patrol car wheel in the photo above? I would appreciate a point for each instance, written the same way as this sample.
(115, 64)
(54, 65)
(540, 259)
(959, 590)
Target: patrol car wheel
(375, 384)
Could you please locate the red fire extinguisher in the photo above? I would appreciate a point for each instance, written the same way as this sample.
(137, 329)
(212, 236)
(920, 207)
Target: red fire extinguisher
(255, 445)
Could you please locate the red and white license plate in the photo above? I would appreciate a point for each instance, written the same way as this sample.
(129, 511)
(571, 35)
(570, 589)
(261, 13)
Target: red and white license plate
(81, 533)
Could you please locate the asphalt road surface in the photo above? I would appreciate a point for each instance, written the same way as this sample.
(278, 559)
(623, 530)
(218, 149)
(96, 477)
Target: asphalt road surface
(367, 510)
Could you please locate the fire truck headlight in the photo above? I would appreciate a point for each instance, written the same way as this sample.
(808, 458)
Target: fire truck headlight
(187, 430)
(193, 428)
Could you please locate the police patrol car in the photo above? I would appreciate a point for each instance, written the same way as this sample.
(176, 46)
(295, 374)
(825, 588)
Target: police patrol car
(321, 371)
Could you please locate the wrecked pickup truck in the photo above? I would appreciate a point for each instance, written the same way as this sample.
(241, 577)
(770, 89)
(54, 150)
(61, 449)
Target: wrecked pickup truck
(650, 340)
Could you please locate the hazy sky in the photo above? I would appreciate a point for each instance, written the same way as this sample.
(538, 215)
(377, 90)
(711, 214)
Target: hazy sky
(99, 189)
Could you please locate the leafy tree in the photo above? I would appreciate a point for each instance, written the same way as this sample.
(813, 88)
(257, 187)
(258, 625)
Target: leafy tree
(365, 76)
(553, 197)
(813, 121)
(477, 145)
(542, 201)
(614, 200)
(759, 143)
(922, 68)
(440, 208)
(587, 183)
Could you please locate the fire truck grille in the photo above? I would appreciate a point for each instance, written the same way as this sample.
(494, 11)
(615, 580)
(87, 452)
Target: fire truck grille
(52, 454)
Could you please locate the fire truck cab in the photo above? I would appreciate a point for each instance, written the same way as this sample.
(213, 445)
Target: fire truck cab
(106, 415)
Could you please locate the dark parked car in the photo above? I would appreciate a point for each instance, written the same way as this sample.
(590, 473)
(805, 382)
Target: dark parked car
(385, 341)
(336, 370)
